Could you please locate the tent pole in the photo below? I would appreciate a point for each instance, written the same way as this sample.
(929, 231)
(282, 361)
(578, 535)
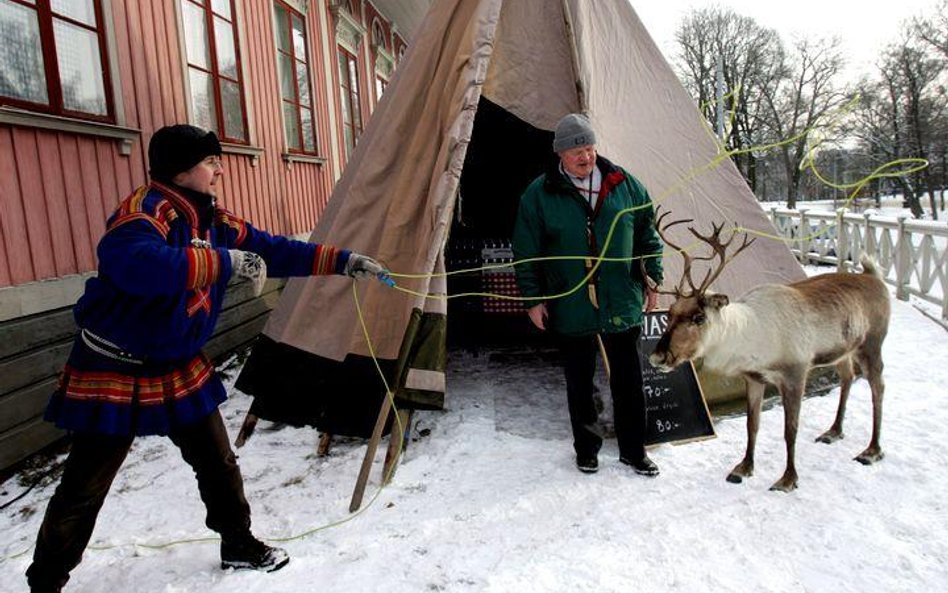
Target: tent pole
(325, 443)
(397, 441)
(574, 55)
(373, 444)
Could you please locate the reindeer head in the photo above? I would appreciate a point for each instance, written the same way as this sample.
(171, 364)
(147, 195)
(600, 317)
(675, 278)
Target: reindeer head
(695, 310)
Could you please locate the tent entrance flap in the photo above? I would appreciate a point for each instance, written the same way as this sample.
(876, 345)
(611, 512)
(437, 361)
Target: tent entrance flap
(505, 154)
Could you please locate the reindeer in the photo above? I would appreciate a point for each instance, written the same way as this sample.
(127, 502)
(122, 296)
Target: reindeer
(774, 334)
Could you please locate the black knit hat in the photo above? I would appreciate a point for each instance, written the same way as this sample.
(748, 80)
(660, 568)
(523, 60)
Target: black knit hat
(175, 149)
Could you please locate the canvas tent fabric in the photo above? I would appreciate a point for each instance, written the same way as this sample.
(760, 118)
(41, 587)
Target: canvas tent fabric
(535, 60)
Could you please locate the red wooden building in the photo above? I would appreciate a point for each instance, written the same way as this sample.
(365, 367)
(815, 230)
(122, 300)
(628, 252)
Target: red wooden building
(287, 85)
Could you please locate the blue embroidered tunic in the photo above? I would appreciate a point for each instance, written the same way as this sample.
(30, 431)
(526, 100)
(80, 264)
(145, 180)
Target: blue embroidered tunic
(136, 367)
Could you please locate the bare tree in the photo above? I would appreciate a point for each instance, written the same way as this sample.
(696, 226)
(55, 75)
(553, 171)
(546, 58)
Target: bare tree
(752, 58)
(797, 106)
(934, 30)
(903, 114)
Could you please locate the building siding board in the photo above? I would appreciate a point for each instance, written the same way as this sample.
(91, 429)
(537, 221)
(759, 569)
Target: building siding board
(76, 205)
(17, 260)
(50, 170)
(123, 47)
(164, 49)
(135, 57)
(91, 192)
(105, 164)
(26, 439)
(36, 365)
(36, 331)
(29, 403)
(34, 203)
(4, 267)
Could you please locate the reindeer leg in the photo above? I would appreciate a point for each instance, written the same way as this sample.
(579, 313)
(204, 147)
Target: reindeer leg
(872, 365)
(846, 374)
(791, 392)
(745, 469)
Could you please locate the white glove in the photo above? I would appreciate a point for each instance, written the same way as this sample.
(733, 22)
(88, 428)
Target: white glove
(363, 266)
(251, 266)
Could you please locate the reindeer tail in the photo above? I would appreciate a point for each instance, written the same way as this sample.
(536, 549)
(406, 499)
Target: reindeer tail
(869, 265)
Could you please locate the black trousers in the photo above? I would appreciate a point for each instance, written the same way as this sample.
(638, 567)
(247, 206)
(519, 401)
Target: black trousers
(625, 383)
(90, 468)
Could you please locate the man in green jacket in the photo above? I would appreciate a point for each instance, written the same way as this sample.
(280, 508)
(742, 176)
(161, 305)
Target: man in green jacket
(584, 206)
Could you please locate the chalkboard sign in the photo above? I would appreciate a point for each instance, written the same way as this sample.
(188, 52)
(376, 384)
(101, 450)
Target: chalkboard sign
(676, 408)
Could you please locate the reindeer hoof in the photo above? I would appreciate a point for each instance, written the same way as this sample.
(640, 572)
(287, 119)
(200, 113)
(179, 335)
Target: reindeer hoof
(782, 486)
(830, 436)
(735, 478)
(868, 457)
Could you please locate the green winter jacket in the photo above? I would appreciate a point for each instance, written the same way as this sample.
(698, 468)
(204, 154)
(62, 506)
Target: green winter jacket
(552, 220)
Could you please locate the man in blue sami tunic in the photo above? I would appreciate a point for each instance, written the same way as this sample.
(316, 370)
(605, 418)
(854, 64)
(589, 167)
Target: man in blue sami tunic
(136, 367)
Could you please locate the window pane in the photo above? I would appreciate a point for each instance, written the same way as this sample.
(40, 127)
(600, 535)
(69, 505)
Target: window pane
(22, 74)
(202, 99)
(309, 138)
(222, 7)
(226, 53)
(343, 75)
(282, 29)
(233, 110)
(299, 38)
(286, 77)
(353, 75)
(346, 108)
(292, 125)
(80, 68)
(356, 111)
(350, 141)
(78, 10)
(302, 82)
(195, 35)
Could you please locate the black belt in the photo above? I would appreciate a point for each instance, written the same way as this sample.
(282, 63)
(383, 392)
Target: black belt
(107, 348)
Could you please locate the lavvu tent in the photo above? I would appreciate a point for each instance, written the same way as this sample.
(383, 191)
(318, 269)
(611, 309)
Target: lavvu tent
(469, 112)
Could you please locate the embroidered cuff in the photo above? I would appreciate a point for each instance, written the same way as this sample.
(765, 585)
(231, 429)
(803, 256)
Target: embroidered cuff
(204, 267)
(326, 260)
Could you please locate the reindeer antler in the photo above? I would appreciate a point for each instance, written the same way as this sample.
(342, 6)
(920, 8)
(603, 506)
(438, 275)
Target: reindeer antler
(713, 239)
(720, 250)
(661, 226)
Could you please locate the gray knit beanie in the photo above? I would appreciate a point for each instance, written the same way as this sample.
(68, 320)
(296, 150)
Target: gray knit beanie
(572, 131)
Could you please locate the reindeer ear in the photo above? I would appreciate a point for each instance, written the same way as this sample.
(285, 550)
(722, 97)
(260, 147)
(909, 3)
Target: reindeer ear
(714, 301)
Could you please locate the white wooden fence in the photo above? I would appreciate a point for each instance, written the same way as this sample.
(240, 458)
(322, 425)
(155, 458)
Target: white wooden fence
(912, 254)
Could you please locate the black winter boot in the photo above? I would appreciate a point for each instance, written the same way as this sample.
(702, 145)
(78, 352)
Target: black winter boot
(246, 551)
(643, 467)
(44, 580)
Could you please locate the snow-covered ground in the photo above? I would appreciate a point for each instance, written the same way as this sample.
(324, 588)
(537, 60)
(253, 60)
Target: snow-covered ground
(488, 499)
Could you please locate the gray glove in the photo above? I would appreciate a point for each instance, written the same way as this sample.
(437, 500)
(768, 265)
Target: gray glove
(363, 266)
(251, 266)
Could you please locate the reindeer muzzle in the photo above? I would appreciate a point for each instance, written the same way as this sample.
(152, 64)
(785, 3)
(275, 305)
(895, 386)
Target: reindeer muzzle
(663, 361)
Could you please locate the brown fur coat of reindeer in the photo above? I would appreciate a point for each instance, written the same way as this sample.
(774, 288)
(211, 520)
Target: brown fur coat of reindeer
(774, 334)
